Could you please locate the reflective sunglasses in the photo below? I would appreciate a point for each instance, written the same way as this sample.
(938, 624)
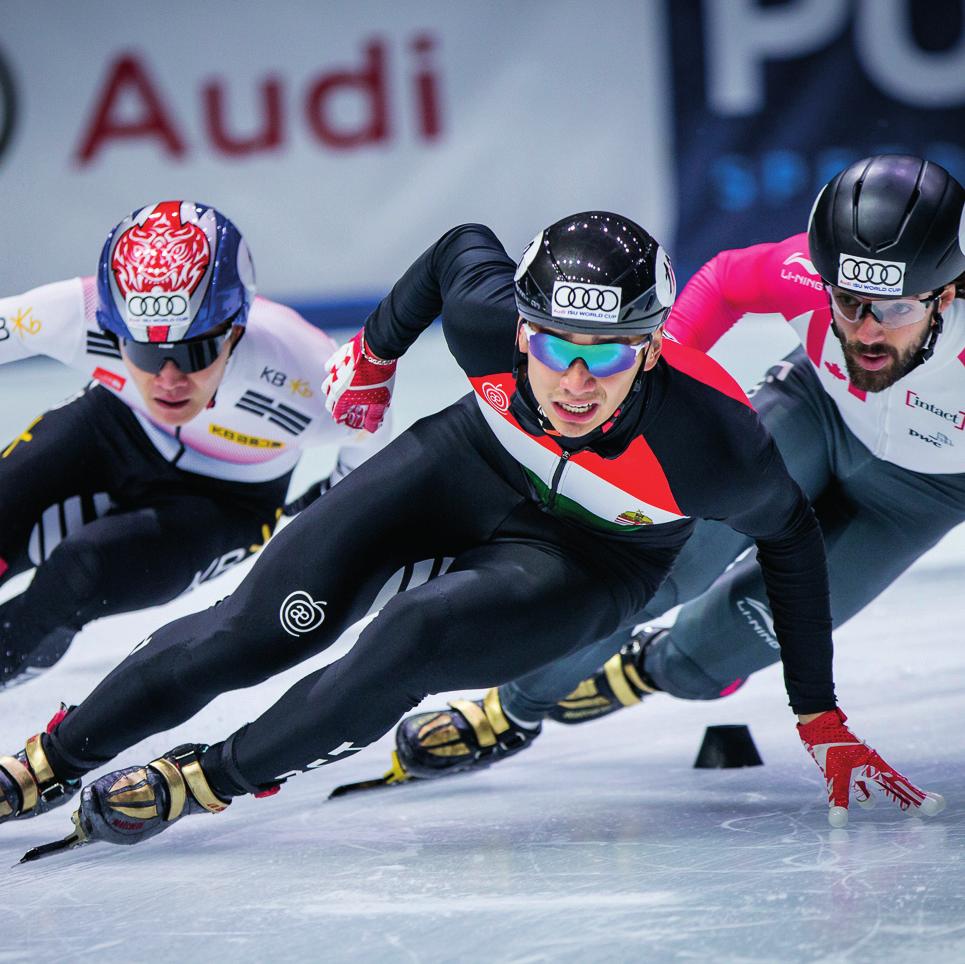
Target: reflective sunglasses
(888, 312)
(190, 356)
(601, 360)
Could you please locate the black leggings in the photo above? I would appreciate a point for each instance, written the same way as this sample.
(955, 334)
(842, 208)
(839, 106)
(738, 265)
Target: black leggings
(524, 587)
(110, 525)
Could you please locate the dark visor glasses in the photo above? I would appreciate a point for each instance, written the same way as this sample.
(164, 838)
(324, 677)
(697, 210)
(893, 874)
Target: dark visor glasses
(607, 358)
(888, 312)
(189, 356)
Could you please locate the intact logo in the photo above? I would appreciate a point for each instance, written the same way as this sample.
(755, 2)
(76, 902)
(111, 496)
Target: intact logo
(938, 439)
(239, 438)
(495, 396)
(871, 276)
(796, 277)
(284, 416)
(100, 343)
(913, 400)
(760, 619)
(300, 614)
(586, 302)
(8, 106)
(110, 379)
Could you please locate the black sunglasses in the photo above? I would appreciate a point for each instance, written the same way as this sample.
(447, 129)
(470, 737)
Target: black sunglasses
(190, 356)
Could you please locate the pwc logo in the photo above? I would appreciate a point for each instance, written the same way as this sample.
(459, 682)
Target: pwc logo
(8, 105)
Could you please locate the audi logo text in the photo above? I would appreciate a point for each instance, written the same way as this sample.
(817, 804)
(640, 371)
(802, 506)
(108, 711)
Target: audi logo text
(156, 306)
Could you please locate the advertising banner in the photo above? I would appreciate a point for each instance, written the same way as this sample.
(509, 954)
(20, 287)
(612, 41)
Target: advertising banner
(771, 99)
(342, 138)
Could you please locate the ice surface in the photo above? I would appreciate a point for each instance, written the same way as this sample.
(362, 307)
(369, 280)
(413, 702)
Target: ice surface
(599, 843)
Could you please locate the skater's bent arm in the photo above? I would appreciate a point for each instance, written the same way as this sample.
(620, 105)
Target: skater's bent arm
(735, 283)
(467, 278)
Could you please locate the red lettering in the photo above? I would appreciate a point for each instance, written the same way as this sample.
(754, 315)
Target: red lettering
(369, 86)
(265, 139)
(127, 76)
(425, 84)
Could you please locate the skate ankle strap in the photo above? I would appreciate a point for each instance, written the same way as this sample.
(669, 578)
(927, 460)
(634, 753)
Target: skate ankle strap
(43, 773)
(177, 791)
(616, 676)
(495, 714)
(181, 769)
(477, 719)
(24, 779)
(49, 786)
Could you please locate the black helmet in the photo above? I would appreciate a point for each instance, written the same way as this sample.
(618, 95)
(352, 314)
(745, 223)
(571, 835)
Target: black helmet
(595, 273)
(889, 225)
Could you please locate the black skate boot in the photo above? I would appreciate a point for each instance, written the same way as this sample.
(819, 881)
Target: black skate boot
(28, 784)
(469, 735)
(133, 804)
(620, 683)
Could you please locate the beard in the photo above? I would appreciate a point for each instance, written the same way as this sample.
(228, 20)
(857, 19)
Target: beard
(902, 362)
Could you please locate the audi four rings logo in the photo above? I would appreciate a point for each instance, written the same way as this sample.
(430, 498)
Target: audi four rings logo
(574, 300)
(875, 271)
(157, 306)
(867, 274)
(596, 299)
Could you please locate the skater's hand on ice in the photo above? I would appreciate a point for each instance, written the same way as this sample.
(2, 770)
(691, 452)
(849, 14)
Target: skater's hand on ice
(849, 765)
(358, 388)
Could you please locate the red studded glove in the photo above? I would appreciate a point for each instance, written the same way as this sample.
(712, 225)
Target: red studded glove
(849, 764)
(358, 389)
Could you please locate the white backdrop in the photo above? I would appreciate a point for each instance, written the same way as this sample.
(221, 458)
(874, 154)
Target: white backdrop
(341, 137)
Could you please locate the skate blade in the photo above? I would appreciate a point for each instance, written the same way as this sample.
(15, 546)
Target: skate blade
(73, 840)
(393, 777)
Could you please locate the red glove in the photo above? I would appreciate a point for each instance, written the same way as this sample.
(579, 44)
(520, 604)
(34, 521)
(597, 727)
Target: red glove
(848, 764)
(358, 388)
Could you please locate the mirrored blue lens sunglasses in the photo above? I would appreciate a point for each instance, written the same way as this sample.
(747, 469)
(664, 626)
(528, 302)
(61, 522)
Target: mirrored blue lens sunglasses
(602, 360)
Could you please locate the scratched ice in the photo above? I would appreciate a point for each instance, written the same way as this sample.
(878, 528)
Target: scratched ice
(600, 843)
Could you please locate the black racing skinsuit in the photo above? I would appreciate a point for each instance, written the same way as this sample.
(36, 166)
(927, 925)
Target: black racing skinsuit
(536, 572)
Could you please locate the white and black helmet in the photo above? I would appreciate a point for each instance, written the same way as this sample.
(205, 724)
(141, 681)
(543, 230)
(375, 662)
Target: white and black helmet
(595, 273)
(890, 225)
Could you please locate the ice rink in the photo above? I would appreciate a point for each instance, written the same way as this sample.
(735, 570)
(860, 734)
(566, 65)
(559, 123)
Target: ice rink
(601, 843)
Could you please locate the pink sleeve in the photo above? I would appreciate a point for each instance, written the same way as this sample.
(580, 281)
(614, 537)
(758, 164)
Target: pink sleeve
(737, 282)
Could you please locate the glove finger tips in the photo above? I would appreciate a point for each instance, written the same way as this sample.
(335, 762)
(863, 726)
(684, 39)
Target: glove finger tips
(932, 805)
(838, 816)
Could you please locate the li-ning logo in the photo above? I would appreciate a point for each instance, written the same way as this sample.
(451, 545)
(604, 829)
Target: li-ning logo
(913, 400)
(172, 307)
(798, 258)
(300, 614)
(593, 302)
(801, 279)
(495, 396)
(866, 274)
(760, 619)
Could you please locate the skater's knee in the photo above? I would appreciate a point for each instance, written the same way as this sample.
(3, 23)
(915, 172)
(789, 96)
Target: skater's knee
(72, 576)
(680, 675)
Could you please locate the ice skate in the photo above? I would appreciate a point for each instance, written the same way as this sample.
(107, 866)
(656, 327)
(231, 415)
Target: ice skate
(620, 683)
(28, 784)
(469, 735)
(133, 804)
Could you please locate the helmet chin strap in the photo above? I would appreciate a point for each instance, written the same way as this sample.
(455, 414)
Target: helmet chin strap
(928, 349)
